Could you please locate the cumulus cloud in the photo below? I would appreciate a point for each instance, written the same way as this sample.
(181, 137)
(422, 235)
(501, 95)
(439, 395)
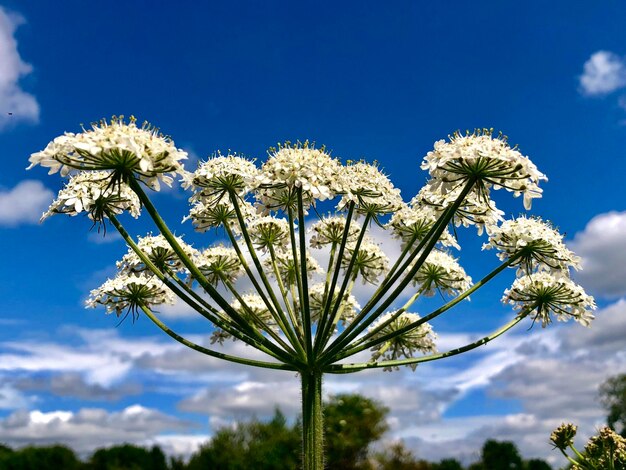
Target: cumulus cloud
(24, 203)
(602, 246)
(88, 428)
(603, 73)
(21, 105)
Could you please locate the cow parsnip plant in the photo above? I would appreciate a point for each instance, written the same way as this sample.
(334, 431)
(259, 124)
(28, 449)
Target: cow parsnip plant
(302, 315)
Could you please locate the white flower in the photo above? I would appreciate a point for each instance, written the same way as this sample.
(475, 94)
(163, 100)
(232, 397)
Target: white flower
(159, 251)
(300, 166)
(369, 261)
(317, 301)
(128, 292)
(441, 272)
(412, 223)
(93, 193)
(253, 311)
(220, 174)
(117, 146)
(219, 262)
(489, 159)
(476, 209)
(419, 339)
(368, 188)
(213, 215)
(287, 267)
(269, 231)
(541, 245)
(330, 230)
(548, 295)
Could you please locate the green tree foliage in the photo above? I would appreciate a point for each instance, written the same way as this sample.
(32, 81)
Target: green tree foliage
(613, 397)
(398, 457)
(537, 464)
(127, 457)
(352, 423)
(39, 458)
(262, 446)
(448, 464)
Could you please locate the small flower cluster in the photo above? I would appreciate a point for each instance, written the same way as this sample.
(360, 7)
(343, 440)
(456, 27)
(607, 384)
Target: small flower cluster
(551, 295)
(120, 147)
(159, 252)
(420, 339)
(485, 159)
(127, 293)
(330, 230)
(369, 189)
(219, 264)
(412, 223)
(92, 192)
(318, 300)
(441, 272)
(368, 260)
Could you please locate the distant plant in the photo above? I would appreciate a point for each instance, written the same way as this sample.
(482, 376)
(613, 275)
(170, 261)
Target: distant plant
(604, 451)
(302, 316)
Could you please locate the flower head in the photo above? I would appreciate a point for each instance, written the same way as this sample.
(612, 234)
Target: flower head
(369, 261)
(299, 166)
(412, 223)
(219, 263)
(606, 449)
(317, 302)
(563, 436)
(91, 192)
(370, 190)
(538, 245)
(269, 232)
(487, 160)
(123, 148)
(287, 267)
(129, 292)
(547, 294)
(221, 174)
(419, 339)
(205, 216)
(441, 272)
(330, 230)
(160, 253)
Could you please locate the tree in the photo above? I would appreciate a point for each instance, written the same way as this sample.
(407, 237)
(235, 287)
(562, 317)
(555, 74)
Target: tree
(352, 423)
(262, 446)
(499, 456)
(39, 458)
(448, 464)
(537, 464)
(398, 457)
(127, 457)
(613, 397)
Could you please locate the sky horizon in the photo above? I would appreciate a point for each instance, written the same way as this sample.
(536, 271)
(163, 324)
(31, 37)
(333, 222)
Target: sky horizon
(367, 81)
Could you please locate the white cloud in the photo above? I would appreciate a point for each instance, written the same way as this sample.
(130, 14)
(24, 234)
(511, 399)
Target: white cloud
(604, 72)
(24, 204)
(602, 246)
(22, 105)
(88, 428)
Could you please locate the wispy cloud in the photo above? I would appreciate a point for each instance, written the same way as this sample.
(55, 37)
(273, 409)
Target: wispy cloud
(24, 203)
(15, 103)
(603, 73)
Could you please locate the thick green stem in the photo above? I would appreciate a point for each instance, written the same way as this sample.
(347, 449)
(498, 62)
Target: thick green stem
(312, 421)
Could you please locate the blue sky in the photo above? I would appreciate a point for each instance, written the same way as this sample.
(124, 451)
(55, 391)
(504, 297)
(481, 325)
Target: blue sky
(369, 81)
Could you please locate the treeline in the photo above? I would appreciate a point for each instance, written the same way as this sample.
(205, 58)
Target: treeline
(353, 423)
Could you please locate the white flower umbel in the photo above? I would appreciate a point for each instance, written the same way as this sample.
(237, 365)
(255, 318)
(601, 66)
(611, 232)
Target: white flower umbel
(441, 272)
(419, 339)
(127, 293)
(317, 303)
(269, 231)
(118, 146)
(370, 190)
(252, 309)
(538, 245)
(299, 166)
(287, 267)
(369, 261)
(205, 216)
(412, 223)
(550, 295)
(221, 174)
(487, 159)
(159, 252)
(92, 192)
(219, 264)
(329, 230)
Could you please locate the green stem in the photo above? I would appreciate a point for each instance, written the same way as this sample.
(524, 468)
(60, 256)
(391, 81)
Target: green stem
(312, 421)
(356, 367)
(197, 274)
(361, 322)
(425, 319)
(304, 279)
(209, 312)
(210, 352)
